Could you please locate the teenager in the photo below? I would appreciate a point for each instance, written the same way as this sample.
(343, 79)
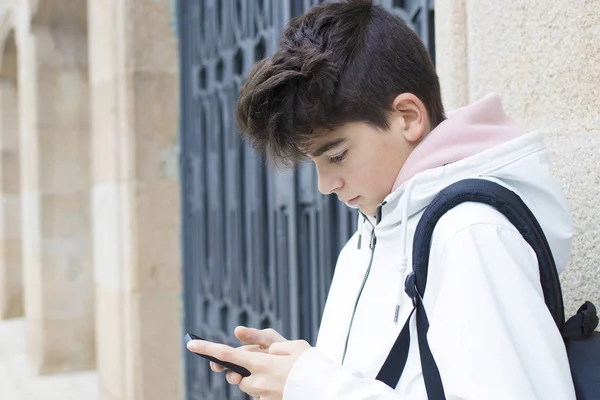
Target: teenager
(353, 89)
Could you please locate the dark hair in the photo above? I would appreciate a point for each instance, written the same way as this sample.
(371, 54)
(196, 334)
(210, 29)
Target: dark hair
(339, 62)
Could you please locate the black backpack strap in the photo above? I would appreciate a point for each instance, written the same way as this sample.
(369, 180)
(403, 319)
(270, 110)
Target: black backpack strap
(513, 208)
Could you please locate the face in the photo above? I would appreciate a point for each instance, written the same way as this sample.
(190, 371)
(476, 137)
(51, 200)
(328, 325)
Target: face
(360, 163)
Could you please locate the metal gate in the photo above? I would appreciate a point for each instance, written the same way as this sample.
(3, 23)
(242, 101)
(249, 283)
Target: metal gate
(259, 246)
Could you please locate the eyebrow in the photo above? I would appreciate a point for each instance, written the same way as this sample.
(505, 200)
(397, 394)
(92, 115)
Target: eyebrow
(328, 146)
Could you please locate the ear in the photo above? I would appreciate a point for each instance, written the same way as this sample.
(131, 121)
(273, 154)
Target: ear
(413, 116)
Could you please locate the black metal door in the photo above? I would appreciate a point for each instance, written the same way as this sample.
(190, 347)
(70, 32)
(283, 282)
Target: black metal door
(259, 246)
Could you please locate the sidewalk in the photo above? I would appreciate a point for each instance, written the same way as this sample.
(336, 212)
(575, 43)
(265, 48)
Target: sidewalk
(17, 381)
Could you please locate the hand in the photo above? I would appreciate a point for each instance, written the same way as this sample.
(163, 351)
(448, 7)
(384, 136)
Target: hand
(255, 340)
(269, 370)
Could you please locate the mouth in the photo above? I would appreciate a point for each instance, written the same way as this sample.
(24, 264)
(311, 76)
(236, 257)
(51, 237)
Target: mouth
(353, 202)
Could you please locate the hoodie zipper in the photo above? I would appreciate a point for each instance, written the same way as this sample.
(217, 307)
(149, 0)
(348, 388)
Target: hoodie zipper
(362, 286)
(372, 245)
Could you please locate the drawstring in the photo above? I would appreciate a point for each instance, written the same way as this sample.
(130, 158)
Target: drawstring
(360, 229)
(403, 257)
(404, 233)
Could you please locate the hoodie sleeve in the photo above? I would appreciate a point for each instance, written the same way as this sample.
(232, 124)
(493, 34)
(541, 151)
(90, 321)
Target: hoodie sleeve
(490, 331)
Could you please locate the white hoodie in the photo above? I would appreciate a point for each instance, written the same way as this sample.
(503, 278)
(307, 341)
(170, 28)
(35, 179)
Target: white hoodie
(490, 332)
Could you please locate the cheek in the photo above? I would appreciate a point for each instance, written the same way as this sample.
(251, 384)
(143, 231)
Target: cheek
(378, 176)
(366, 180)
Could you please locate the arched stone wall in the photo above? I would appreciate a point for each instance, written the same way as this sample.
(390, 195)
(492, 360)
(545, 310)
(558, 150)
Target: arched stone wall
(57, 246)
(11, 282)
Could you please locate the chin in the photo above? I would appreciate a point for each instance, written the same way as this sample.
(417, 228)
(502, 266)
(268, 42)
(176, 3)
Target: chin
(370, 211)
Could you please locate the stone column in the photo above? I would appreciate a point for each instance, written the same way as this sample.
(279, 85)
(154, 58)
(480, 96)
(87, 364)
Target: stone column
(11, 282)
(451, 52)
(134, 83)
(55, 180)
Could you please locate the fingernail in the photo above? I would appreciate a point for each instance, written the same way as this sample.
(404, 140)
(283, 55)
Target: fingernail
(192, 346)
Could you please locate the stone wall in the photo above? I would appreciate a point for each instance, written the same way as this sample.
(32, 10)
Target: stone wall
(543, 57)
(89, 190)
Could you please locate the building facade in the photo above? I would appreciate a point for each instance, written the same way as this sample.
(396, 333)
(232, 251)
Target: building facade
(95, 239)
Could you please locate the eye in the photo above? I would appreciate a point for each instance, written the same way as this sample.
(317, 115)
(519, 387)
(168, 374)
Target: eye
(339, 158)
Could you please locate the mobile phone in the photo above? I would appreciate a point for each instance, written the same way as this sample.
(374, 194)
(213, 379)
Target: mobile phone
(227, 365)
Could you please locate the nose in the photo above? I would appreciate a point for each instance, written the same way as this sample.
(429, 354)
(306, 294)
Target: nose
(329, 183)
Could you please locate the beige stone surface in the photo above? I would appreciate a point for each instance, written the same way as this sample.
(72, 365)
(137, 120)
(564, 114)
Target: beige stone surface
(104, 30)
(576, 162)
(31, 254)
(135, 206)
(543, 57)
(18, 381)
(154, 117)
(112, 221)
(110, 318)
(158, 237)
(62, 97)
(55, 181)
(10, 176)
(156, 326)
(112, 160)
(66, 270)
(451, 51)
(11, 279)
(10, 225)
(151, 44)
(67, 343)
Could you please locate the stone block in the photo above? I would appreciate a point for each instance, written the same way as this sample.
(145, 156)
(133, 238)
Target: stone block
(451, 51)
(64, 345)
(64, 160)
(111, 344)
(31, 256)
(113, 235)
(11, 279)
(10, 180)
(112, 140)
(67, 277)
(152, 45)
(103, 32)
(63, 99)
(581, 182)
(157, 334)
(66, 214)
(519, 56)
(10, 216)
(156, 124)
(158, 237)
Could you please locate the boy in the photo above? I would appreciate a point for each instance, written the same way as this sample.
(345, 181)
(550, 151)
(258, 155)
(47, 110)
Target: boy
(353, 89)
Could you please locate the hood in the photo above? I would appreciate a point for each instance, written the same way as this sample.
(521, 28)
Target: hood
(466, 131)
(480, 141)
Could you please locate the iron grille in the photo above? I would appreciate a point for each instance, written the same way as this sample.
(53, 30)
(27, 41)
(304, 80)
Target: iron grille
(259, 246)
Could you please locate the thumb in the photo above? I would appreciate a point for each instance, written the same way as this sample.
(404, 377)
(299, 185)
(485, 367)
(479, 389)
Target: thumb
(264, 338)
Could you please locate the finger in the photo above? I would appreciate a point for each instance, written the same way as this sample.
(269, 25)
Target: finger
(233, 378)
(219, 368)
(261, 337)
(252, 386)
(216, 367)
(280, 348)
(253, 361)
(252, 347)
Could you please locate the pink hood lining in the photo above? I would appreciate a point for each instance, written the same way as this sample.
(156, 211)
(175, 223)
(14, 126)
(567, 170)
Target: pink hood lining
(467, 131)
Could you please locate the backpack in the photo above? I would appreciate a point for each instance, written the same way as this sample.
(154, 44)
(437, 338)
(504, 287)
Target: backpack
(581, 341)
